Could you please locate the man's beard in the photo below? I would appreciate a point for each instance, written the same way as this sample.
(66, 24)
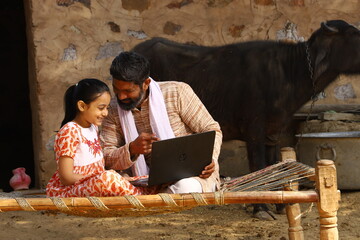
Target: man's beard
(133, 102)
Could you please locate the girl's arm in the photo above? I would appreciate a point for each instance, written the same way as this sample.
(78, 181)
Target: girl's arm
(66, 167)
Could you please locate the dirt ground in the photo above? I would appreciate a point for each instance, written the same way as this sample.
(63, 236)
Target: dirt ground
(208, 222)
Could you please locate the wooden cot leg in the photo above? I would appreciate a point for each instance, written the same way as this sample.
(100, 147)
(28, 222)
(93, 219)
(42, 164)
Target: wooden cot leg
(295, 230)
(293, 211)
(329, 197)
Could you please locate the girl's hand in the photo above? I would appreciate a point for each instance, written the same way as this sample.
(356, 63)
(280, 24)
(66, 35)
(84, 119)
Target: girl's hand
(66, 171)
(208, 170)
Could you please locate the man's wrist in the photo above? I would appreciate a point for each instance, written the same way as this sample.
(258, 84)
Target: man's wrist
(133, 156)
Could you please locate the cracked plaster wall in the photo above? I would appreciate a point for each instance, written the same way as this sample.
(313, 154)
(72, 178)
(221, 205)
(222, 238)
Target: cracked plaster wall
(73, 39)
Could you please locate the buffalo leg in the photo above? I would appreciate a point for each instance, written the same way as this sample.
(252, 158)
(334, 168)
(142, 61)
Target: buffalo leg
(272, 157)
(256, 157)
(272, 154)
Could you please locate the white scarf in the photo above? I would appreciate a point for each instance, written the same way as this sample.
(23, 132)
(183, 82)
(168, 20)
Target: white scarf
(159, 122)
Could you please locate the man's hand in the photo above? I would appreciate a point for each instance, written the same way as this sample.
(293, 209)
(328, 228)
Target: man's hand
(209, 169)
(142, 144)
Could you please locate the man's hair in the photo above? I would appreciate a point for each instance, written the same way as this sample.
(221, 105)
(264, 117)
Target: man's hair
(130, 67)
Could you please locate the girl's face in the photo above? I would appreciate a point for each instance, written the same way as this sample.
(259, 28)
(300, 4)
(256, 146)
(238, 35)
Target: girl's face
(94, 112)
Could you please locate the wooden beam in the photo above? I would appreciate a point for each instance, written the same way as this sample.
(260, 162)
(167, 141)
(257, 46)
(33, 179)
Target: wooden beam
(150, 201)
(317, 108)
(329, 116)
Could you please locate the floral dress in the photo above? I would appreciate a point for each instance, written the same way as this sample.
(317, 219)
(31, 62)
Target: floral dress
(82, 145)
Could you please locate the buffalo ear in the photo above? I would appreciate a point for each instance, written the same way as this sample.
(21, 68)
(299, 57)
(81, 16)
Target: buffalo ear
(321, 63)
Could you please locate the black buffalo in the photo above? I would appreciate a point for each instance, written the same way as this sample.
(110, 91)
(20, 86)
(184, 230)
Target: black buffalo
(253, 88)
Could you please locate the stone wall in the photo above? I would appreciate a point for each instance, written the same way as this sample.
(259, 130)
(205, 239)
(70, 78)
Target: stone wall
(73, 39)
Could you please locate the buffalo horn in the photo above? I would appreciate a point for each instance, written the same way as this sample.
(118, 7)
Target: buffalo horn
(331, 29)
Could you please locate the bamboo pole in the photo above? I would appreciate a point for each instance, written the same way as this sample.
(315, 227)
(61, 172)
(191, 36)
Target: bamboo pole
(293, 210)
(329, 198)
(156, 201)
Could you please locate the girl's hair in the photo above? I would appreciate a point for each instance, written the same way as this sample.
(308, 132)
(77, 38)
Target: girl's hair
(86, 90)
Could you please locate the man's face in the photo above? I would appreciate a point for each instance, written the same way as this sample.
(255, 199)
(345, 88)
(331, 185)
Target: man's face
(128, 94)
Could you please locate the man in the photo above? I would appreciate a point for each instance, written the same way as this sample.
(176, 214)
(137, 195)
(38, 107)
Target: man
(144, 111)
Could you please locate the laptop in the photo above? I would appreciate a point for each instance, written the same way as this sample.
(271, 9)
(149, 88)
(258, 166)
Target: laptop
(178, 158)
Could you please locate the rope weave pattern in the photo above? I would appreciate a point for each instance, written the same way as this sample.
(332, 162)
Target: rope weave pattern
(219, 198)
(60, 204)
(96, 202)
(200, 200)
(168, 199)
(134, 201)
(24, 204)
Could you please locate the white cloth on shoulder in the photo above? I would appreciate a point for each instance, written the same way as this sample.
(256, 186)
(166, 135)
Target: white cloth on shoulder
(159, 122)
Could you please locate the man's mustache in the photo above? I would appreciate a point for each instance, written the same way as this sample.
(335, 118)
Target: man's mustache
(126, 100)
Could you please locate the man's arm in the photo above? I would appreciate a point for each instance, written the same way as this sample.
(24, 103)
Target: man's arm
(116, 152)
(198, 119)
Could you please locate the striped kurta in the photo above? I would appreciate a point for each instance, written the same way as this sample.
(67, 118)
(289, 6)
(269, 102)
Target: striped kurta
(187, 115)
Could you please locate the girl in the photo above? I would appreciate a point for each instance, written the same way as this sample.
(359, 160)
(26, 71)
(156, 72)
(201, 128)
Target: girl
(79, 157)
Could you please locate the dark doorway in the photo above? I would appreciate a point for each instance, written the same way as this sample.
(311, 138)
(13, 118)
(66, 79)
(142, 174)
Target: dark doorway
(15, 125)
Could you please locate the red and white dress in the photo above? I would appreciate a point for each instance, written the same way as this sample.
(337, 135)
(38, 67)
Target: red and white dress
(82, 145)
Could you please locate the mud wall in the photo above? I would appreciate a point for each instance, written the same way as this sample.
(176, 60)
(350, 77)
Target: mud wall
(72, 39)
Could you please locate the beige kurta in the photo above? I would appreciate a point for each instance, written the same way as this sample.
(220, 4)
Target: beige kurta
(187, 115)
